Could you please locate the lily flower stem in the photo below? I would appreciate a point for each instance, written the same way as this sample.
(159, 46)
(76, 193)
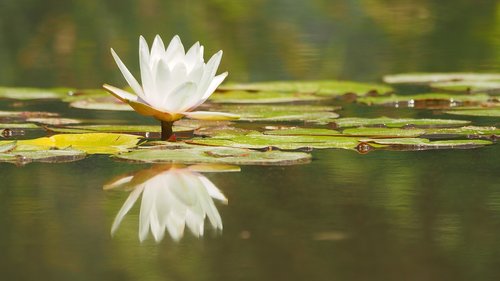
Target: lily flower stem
(166, 130)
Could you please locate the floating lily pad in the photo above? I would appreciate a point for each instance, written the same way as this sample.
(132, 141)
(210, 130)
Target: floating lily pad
(423, 144)
(92, 143)
(426, 100)
(101, 103)
(18, 126)
(303, 132)
(82, 94)
(32, 93)
(262, 97)
(256, 140)
(275, 113)
(486, 112)
(490, 87)
(6, 147)
(200, 154)
(464, 131)
(143, 129)
(54, 121)
(384, 132)
(427, 78)
(322, 87)
(396, 122)
(46, 156)
(27, 114)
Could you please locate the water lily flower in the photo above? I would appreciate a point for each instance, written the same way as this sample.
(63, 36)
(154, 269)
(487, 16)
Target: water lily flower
(174, 82)
(172, 198)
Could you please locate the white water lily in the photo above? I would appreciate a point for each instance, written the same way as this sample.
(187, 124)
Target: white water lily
(174, 82)
(171, 199)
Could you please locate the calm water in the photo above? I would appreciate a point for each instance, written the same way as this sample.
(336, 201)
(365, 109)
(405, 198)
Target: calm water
(428, 215)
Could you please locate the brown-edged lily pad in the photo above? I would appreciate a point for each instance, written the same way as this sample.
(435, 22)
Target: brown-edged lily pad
(46, 156)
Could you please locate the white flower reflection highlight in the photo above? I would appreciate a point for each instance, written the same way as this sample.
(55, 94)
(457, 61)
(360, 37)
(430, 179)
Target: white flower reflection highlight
(174, 82)
(173, 197)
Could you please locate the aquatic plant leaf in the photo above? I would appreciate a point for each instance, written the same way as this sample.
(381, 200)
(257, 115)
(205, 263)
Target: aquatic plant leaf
(428, 100)
(463, 131)
(6, 147)
(384, 132)
(46, 156)
(118, 129)
(486, 112)
(280, 113)
(490, 87)
(91, 143)
(396, 122)
(262, 97)
(27, 114)
(101, 103)
(256, 140)
(423, 144)
(426, 78)
(33, 93)
(201, 154)
(18, 126)
(303, 132)
(320, 87)
(54, 121)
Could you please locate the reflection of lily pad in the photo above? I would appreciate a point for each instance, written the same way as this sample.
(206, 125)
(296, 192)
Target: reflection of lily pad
(396, 123)
(486, 112)
(325, 87)
(32, 93)
(200, 154)
(306, 113)
(426, 78)
(422, 144)
(469, 86)
(425, 100)
(261, 97)
(47, 156)
(93, 143)
(101, 103)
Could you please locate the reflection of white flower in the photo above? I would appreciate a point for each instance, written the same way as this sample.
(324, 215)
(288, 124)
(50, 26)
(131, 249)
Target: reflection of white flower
(171, 200)
(174, 82)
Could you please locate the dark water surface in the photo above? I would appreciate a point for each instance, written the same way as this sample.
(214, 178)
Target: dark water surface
(427, 215)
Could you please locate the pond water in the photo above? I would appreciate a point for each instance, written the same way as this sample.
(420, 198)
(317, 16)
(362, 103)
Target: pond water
(384, 215)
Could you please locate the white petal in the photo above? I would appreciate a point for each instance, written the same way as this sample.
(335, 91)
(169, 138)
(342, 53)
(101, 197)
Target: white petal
(192, 55)
(158, 49)
(146, 75)
(163, 79)
(210, 70)
(180, 97)
(175, 51)
(212, 190)
(121, 94)
(209, 91)
(128, 76)
(211, 115)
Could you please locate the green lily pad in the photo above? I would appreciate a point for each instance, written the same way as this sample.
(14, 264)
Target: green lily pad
(424, 144)
(384, 132)
(46, 156)
(486, 112)
(396, 122)
(490, 87)
(6, 147)
(257, 140)
(427, 78)
(54, 121)
(82, 94)
(32, 93)
(429, 100)
(118, 129)
(18, 126)
(322, 87)
(275, 113)
(262, 97)
(464, 131)
(303, 132)
(200, 154)
(101, 103)
(92, 143)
